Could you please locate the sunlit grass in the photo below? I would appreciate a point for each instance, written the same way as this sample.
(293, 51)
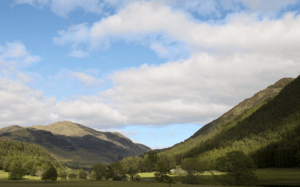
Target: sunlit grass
(270, 176)
(3, 175)
(275, 174)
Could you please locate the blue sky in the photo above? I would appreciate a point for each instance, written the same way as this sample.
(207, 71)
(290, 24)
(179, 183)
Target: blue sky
(155, 71)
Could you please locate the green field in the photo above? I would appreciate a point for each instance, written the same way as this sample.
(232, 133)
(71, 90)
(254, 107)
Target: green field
(279, 176)
(290, 176)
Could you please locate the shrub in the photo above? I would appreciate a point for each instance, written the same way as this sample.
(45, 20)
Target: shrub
(82, 174)
(136, 177)
(72, 175)
(62, 175)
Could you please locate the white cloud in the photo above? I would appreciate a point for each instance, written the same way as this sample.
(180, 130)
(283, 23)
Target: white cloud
(208, 8)
(86, 80)
(228, 62)
(35, 3)
(267, 5)
(31, 59)
(64, 7)
(158, 147)
(16, 54)
(78, 54)
(66, 78)
(91, 113)
(22, 105)
(242, 32)
(159, 49)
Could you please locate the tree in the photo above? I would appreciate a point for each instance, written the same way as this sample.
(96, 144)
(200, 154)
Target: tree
(147, 164)
(50, 173)
(82, 174)
(72, 175)
(28, 165)
(163, 166)
(161, 174)
(239, 167)
(130, 166)
(193, 168)
(117, 170)
(6, 163)
(98, 171)
(16, 170)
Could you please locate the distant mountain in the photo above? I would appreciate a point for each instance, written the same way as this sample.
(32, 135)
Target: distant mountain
(229, 119)
(74, 144)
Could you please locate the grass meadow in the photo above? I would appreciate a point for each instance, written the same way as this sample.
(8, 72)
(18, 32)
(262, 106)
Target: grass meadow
(290, 176)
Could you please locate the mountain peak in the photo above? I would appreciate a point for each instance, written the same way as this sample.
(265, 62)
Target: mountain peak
(10, 129)
(66, 128)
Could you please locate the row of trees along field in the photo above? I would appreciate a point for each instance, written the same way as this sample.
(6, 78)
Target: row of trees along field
(238, 165)
(270, 134)
(22, 158)
(131, 166)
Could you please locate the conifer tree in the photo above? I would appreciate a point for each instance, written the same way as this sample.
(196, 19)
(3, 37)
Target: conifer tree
(50, 173)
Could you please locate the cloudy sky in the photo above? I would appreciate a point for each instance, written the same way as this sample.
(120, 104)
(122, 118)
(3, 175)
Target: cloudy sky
(156, 71)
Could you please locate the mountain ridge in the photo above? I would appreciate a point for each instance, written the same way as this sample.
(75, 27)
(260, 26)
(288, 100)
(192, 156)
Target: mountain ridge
(72, 143)
(212, 128)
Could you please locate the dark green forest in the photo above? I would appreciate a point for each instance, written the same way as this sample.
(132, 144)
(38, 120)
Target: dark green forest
(31, 157)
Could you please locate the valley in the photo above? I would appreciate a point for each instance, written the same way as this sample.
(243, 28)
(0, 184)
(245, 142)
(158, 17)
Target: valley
(265, 127)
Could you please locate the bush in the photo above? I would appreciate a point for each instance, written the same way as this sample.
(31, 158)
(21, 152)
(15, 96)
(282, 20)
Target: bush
(136, 177)
(62, 175)
(82, 174)
(50, 173)
(72, 175)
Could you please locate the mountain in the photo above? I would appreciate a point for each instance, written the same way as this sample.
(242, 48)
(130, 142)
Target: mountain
(74, 144)
(228, 120)
(268, 132)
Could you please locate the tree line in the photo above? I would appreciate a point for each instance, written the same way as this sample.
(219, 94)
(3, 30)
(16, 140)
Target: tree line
(22, 158)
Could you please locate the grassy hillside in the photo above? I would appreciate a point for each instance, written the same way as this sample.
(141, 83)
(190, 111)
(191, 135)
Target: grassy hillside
(271, 135)
(229, 119)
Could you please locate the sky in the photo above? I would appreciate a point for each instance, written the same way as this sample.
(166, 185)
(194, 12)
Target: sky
(155, 71)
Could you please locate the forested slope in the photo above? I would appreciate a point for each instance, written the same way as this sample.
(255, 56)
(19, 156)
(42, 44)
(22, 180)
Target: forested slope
(229, 119)
(271, 135)
(32, 157)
